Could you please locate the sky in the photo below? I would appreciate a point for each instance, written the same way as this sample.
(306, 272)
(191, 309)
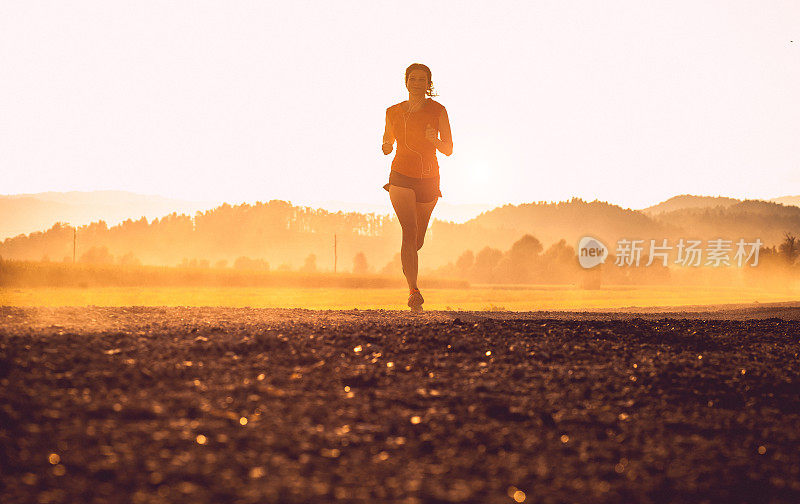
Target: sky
(630, 102)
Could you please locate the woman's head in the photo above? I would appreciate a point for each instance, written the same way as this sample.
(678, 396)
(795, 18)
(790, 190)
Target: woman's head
(418, 78)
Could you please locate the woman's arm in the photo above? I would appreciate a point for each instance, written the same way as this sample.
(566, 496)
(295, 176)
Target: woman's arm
(445, 144)
(388, 136)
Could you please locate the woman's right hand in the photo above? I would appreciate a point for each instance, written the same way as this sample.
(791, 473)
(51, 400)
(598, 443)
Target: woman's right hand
(387, 148)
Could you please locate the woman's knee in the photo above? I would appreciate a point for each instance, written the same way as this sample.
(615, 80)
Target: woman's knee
(410, 235)
(420, 240)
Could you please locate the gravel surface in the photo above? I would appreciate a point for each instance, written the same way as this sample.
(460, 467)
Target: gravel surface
(202, 405)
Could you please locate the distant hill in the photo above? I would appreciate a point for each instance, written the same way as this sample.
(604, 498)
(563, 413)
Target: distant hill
(766, 220)
(26, 213)
(288, 236)
(787, 200)
(570, 220)
(684, 201)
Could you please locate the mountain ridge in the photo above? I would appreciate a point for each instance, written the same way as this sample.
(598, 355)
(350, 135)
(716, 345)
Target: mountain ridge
(285, 234)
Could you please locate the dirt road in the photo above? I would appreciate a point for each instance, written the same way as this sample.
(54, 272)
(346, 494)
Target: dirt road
(209, 405)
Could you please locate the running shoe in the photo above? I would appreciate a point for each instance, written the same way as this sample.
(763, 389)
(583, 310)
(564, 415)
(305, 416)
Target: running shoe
(415, 300)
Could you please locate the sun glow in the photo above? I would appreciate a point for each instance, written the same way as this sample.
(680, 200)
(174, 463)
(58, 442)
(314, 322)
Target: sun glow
(469, 178)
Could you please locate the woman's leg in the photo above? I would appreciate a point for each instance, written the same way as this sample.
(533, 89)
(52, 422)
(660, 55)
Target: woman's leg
(404, 201)
(424, 211)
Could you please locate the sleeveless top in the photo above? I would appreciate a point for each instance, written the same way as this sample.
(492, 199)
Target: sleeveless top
(415, 155)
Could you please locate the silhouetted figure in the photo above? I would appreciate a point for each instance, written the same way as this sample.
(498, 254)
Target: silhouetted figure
(420, 126)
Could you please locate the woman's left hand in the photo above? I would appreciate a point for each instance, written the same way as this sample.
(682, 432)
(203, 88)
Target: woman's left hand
(431, 134)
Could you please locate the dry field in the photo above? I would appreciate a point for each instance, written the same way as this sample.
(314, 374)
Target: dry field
(477, 297)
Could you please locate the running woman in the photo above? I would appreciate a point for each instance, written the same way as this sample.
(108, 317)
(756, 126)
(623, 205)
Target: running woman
(420, 126)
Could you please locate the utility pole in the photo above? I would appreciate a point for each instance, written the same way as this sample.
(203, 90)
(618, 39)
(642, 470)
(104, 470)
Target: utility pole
(74, 242)
(335, 256)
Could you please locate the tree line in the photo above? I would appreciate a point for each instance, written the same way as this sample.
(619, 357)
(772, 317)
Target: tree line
(503, 245)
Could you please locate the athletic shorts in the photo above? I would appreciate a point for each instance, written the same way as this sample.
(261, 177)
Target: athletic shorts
(426, 189)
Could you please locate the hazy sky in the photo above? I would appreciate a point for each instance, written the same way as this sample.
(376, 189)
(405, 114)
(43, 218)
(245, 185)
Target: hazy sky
(630, 102)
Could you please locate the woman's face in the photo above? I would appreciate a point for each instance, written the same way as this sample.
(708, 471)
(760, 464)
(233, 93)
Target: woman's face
(417, 82)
